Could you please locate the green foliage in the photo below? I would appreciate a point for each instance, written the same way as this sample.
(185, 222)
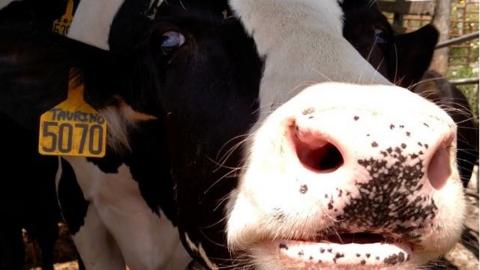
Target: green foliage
(463, 58)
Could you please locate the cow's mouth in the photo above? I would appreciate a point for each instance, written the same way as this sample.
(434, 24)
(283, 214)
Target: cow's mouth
(348, 249)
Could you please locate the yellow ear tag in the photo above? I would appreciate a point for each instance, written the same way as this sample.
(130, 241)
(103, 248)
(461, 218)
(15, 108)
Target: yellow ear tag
(73, 128)
(62, 24)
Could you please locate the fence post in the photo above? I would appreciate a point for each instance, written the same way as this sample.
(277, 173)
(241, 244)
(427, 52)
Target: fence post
(441, 20)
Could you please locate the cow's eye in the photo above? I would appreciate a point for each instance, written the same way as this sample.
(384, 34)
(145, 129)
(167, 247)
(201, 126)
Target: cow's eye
(171, 40)
(380, 36)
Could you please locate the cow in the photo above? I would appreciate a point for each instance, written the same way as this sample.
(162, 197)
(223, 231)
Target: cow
(400, 59)
(273, 144)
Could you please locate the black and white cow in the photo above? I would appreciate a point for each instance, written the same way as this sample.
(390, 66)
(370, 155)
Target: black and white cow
(265, 137)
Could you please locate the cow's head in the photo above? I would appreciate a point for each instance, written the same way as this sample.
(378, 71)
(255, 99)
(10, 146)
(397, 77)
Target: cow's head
(335, 176)
(286, 148)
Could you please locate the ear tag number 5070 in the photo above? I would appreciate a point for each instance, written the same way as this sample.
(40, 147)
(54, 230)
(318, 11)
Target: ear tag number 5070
(73, 128)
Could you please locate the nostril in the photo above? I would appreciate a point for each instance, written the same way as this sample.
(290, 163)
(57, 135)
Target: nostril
(318, 155)
(439, 167)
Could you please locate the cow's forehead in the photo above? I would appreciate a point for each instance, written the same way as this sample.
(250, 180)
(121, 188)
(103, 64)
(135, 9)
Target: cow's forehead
(271, 21)
(302, 44)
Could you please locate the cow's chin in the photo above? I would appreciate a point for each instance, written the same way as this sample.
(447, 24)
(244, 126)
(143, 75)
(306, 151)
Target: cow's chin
(295, 254)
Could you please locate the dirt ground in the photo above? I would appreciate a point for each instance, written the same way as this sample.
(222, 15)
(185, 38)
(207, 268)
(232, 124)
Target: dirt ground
(62, 266)
(65, 253)
(462, 256)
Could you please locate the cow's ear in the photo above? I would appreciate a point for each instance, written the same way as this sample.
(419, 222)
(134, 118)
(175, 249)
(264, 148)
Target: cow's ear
(33, 73)
(414, 53)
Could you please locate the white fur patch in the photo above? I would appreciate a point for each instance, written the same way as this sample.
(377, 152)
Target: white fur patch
(93, 19)
(146, 241)
(95, 244)
(303, 44)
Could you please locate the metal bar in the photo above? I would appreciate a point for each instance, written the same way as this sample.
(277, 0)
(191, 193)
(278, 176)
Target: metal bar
(464, 81)
(457, 40)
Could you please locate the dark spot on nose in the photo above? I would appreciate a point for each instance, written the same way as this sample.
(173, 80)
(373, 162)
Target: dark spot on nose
(283, 246)
(310, 117)
(408, 133)
(330, 206)
(374, 144)
(391, 259)
(308, 111)
(392, 126)
(322, 250)
(425, 124)
(368, 255)
(300, 253)
(358, 255)
(363, 262)
(377, 258)
(403, 145)
(278, 214)
(356, 118)
(310, 258)
(402, 126)
(303, 189)
(329, 250)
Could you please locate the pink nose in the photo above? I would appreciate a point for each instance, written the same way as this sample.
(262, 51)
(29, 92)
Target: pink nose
(324, 146)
